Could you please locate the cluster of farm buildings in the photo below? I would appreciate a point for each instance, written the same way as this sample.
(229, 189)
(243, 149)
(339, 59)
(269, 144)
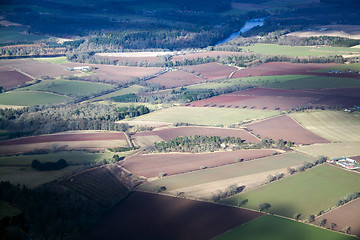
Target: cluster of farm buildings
(344, 162)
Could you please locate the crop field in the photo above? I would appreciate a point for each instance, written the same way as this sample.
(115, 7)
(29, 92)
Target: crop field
(276, 228)
(206, 115)
(54, 60)
(305, 193)
(284, 127)
(71, 140)
(335, 126)
(118, 74)
(349, 92)
(281, 68)
(126, 57)
(69, 88)
(299, 51)
(212, 54)
(152, 165)
(204, 183)
(211, 71)
(37, 69)
(71, 157)
(355, 67)
(344, 216)
(171, 133)
(176, 79)
(33, 178)
(15, 34)
(331, 150)
(131, 89)
(10, 78)
(31, 98)
(150, 216)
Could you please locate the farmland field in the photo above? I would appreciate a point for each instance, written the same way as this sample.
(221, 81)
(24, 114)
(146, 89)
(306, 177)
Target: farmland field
(206, 115)
(151, 165)
(171, 133)
(306, 193)
(204, 183)
(54, 60)
(212, 54)
(30, 98)
(211, 71)
(347, 215)
(150, 216)
(69, 88)
(7, 210)
(299, 51)
(176, 79)
(284, 127)
(138, 57)
(331, 150)
(132, 89)
(343, 67)
(10, 78)
(335, 126)
(276, 228)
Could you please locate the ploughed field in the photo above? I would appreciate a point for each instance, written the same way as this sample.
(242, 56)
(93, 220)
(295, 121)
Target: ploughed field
(151, 165)
(10, 78)
(204, 183)
(150, 216)
(212, 54)
(176, 78)
(284, 127)
(211, 71)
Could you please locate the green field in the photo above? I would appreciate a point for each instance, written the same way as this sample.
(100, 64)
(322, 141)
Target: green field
(306, 193)
(72, 158)
(15, 34)
(69, 88)
(54, 60)
(206, 115)
(335, 126)
(31, 98)
(331, 150)
(7, 210)
(343, 67)
(132, 89)
(276, 228)
(299, 51)
(227, 172)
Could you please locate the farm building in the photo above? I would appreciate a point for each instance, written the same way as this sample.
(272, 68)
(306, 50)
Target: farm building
(344, 162)
(82, 68)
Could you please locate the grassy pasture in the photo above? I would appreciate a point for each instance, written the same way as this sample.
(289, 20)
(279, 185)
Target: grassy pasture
(15, 34)
(72, 158)
(332, 125)
(342, 67)
(299, 51)
(227, 172)
(206, 115)
(276, 228)
(306, 193)
(54, 60)
(132, 89)
(331, 149)
(30, 98)
(69, 87)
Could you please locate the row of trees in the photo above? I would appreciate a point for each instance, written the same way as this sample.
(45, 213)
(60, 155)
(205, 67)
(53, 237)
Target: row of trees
(49, 166)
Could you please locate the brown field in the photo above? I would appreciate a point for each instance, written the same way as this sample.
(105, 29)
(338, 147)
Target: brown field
(261, 98)
(284, 127)
(176, 79)
(91, 140)
(118, 74)
(151, 216)
(284, 68)
(98, 184)
(211, 71)
(348, 92)
(136, 57)
(150, 165)
(171, 133)
(212, 54)
(347, 215)
(10, 78)
(37, 69)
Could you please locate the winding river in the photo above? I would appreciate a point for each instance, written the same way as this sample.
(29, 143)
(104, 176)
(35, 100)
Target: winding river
(248, 25)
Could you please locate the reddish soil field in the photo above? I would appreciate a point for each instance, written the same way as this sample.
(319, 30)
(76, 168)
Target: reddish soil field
(150, 165)
(261, 98)
(211, 71)
(152, 216)
(116, 73)
(171, 133)
(37, 69)
(11, 78)
(64, 137)
(347, 215)
(284, 127)
(349, 92)
(284, 68)
(212, 54)
(176, 79)
(341, 101)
